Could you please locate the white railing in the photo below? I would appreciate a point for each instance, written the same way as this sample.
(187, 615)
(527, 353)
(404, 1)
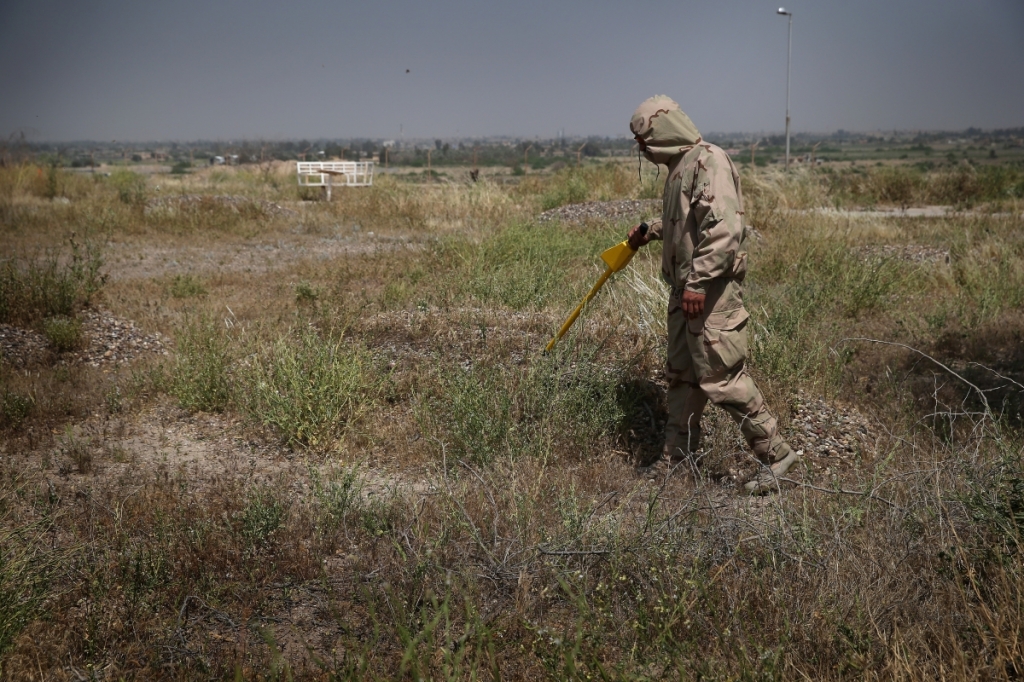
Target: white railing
(330, 174)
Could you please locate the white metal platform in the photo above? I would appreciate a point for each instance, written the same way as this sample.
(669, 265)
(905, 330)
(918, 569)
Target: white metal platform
(330, 174)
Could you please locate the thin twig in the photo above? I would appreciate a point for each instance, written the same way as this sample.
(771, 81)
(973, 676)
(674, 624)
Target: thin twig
(572, 552)
(837, 491)
(981, 393)
(978, 364)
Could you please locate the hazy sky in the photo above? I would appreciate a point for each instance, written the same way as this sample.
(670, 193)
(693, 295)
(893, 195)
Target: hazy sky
(188, 69)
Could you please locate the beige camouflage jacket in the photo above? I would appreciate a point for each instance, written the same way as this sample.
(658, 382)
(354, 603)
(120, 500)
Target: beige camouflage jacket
(702, 208)
(702, 226)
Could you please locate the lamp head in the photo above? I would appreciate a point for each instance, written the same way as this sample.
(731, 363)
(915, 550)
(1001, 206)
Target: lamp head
(782, 11)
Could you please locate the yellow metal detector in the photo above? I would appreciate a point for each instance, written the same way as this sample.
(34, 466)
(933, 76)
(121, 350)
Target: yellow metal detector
(615, 258)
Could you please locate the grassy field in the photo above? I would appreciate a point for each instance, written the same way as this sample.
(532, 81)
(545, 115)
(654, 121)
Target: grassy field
(319, 440)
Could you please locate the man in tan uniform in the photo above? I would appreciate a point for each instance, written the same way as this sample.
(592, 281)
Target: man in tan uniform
(705, 261)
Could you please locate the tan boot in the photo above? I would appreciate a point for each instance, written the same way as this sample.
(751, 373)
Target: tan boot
(767, 477)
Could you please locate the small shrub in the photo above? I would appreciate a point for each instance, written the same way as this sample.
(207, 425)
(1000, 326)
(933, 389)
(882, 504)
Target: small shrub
(76, 451)
(187, 286)
(14, 409)
(309, 194)
(261, 518)
(334, 498)
(306, 293)
(130, 187)
(199, 377)
(63, 333)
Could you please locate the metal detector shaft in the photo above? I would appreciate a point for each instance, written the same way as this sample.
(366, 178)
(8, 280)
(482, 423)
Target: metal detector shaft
(615, 258)
(579, 309)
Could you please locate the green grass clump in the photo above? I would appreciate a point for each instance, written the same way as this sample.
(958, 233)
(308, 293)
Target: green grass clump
(187, 286)
(309, 389)
(199, 376)
(569, 188)
(987, 264)
(25, 572)
(262, 517)
(63, 333)
(335, 496)
(524, 265)
(54, 285)
(554, 404)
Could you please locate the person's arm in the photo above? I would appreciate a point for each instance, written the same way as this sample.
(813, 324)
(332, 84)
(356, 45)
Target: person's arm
(638, 238)
(715, 204)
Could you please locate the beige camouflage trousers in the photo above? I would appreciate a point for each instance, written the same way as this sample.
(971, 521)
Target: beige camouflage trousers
(706, 362)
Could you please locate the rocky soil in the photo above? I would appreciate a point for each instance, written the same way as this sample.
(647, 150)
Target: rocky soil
(833, 438)
(108, 340)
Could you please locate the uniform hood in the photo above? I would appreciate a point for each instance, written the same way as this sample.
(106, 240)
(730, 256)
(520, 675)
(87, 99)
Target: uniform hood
(664, 127)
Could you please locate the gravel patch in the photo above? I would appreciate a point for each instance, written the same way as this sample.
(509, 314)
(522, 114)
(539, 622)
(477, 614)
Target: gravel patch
(21, 347)
(635, 209)
(913, 253)
(113, 340)
(832, 437)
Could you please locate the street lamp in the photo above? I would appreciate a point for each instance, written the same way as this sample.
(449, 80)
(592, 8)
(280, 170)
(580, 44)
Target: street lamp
(789, 58)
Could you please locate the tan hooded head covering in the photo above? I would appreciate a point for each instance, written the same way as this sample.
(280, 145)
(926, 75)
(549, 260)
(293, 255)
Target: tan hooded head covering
(664, 127)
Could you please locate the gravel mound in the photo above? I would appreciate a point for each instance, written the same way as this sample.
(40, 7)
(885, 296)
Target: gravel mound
(108, 339)
(112, 340)
(634, 209)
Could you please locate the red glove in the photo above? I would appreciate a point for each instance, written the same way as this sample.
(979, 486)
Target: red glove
(638, 236)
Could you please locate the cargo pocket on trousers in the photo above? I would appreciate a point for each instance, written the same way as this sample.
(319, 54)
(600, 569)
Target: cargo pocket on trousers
(725, 339)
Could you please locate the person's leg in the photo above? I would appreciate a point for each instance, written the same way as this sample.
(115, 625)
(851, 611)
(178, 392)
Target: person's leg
(685, 400)
(719, 349)
(738, 395)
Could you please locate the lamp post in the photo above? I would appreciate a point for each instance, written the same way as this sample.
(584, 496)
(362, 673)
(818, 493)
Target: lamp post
(789, 59)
